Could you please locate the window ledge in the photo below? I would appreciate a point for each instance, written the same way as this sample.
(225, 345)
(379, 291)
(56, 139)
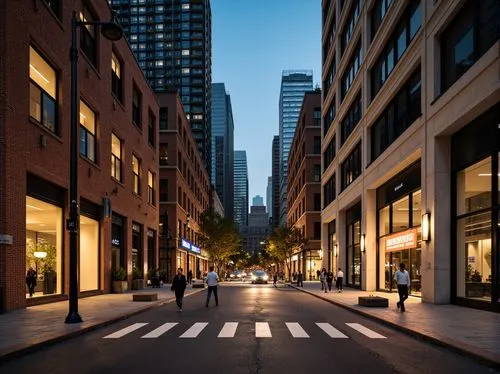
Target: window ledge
(117, 101)
(90, 64)
(118, 183)
(90, 162)
(46, 130)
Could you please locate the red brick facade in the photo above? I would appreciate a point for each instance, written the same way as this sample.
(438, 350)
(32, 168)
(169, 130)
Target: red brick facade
(31, 152)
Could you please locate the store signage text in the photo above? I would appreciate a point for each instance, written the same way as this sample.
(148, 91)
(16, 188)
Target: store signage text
(401, 240)
(115, 242)
(398, 187)
(186, 244)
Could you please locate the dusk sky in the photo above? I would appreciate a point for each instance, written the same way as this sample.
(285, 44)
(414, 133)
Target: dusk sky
(252, 42)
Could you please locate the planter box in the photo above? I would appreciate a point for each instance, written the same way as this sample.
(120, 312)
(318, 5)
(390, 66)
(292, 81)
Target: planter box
(198, 285)
(120, 286)
(145, 297)
(478, 289)
(373, 301)
(138, 284)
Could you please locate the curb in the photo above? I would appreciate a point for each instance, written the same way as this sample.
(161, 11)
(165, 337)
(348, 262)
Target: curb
(58, 339)
(443, 344)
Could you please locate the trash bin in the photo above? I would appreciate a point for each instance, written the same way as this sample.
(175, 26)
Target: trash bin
(49, 282)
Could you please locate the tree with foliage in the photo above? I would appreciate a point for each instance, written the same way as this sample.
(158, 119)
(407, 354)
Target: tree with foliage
(283, 242)
(219, 237)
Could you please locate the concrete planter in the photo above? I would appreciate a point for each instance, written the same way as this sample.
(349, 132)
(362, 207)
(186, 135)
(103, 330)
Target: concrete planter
(137, 284)
(373, 301)
(120, 286)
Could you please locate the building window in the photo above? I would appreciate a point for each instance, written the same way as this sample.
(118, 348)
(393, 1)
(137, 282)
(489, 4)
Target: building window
(350, 24)
(329, 191)
(351, 167)
(43, 92)
(163, 118)
(116, 77)
(137, 247)
(377, 14)
(89, 254)
(163, 190)
(136, 175)
(329, 153)
(152, 130)
(317, 117)
(329, 117)
(163, 154)
(88, 36)
(87, 132)
(316, 173)
(350, 120)
(116, 158)
(351, 71)
(353, 246)
(54, 6)
(317, 231)
(471, 33)
(317, 145)
(151, 188)
(317, 202)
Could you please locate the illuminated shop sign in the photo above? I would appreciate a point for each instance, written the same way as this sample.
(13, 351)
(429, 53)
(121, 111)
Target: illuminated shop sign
(402, 240)
(115, 242)
(195, 249)
(186, 244)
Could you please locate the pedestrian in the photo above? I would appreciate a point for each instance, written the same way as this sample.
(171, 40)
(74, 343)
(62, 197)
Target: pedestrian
(179, 286)
(190, 276)
(322, 279)
(340, 279)
(402, 278)
(156, 279)
(300, 279)
(31, 276)
(275, 279)
(329, 280)
(318, 273)
(212, 281)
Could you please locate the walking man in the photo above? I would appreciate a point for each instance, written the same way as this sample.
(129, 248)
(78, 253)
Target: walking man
(329, 280)
(402, 278)
(179, 286)
(275, 279)
(31, 276)
(340, 279)
(212, 281)
(190, 277)
(322, 278)
(300, 279)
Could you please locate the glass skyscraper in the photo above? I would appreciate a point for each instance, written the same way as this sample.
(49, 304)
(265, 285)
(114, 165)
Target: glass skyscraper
(172, 41)
(223, 147)
(294, 83)
(240, 188)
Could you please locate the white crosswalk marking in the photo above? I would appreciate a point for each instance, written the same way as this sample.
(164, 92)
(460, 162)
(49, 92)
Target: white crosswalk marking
(365, 331)
(194, 330)
(262, 330)
(331, 331)
(125, 331)
(160, 330)
(296, 330)
(228, 330)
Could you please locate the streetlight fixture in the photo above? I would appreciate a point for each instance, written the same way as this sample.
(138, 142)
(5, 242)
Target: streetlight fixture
(112, 31)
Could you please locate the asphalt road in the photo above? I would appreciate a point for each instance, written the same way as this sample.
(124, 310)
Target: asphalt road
(297, 333)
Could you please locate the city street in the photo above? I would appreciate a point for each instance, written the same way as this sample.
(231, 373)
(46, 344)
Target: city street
(255, 329)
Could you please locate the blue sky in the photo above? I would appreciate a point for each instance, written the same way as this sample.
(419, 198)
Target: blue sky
(252, 42)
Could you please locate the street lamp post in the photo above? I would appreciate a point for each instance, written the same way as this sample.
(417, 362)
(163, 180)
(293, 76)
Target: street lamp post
(112, 31)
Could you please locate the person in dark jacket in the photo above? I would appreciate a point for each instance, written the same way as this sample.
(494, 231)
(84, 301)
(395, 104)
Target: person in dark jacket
(179, 286)
(31, 281)
(329, 280)
(300, 279)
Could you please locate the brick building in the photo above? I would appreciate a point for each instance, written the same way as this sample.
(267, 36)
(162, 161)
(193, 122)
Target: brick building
(304, 184)
(185, 190)
(117, 146)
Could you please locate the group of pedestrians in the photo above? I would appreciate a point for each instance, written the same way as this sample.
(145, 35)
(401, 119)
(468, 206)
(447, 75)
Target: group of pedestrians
(180, 282)
(326, 278)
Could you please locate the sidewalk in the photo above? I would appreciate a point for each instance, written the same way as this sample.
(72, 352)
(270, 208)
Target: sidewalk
(471, 332)
(29, 329)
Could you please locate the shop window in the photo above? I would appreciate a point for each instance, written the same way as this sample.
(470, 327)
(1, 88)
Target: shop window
(137, 247)
(400, 214)
(116, 158)
(88, 36)
(151, 188)
(43, 92)
(116, 77)
(384, 221)
(152, 250)
(136, 175)
(417, 208)
(44, 241)
(474, 187)
(89, 254)
(87, 132)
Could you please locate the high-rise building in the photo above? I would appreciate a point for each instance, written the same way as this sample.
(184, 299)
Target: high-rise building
(276, 181)
(258, 200)
(257, 230)
(172, 41)
(410, 161)
(222, 147)
(294, 83)
(269, 196)
(240, 188)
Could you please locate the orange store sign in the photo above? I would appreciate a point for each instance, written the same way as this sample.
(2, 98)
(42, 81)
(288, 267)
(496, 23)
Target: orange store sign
(401, 240)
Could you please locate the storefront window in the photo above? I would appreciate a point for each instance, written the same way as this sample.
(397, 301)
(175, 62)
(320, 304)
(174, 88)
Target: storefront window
(383, 217)
(44, 234)
(474, 187)
(137, 255)
(417, 208)
(89, 254)
(400, 214)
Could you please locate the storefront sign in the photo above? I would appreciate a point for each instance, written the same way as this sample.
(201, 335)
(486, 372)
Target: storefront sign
(195, 249)
(401, 240)
(186, 244)
(6, 239)
(115, 242)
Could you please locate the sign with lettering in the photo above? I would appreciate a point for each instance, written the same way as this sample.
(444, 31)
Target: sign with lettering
(185, 244)
(402, 240)
(195, 249)
(115, 242)
(5, 239)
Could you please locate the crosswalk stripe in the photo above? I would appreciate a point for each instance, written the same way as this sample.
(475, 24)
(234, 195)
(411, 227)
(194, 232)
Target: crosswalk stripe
(262, 330)
(194, 330)
(296, 330)
(160, 330)
(331, 331)
(228, 330)
(125, 331)
(365, 331)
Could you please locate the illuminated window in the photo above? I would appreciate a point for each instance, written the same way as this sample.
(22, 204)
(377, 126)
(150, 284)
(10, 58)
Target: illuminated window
(116, 76)
(116, 157)
(136, 171)
(185, 71)
(87, 132)
(151, 188)
(87, 36)
(185, 52)
(185, 6)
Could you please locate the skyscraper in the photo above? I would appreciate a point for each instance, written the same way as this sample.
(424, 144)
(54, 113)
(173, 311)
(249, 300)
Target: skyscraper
(172, 41)
(222, 147)
(276, 181)
(269, 196)
(294, 83)
(240, 188)
(258, 200)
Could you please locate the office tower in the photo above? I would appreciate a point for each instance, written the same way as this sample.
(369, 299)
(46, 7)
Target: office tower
(294, 83)
(257, 230)
(409, 150)
(257, 200)
(269, 196)
(222, 147)
(276, 181)
(240, 188)
(171, 40)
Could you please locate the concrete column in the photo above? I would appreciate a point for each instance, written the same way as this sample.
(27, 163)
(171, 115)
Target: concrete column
(369, 228)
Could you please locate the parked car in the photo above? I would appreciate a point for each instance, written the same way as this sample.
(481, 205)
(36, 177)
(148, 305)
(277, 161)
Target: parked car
(259, 276)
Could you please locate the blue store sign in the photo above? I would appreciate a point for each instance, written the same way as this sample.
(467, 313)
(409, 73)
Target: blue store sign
(186, 244)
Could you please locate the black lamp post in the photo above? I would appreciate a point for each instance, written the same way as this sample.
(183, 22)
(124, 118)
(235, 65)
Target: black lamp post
(112, 31)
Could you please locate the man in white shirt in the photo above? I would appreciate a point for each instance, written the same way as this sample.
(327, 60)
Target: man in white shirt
(212, 281)
(402, 278)
(340, 279)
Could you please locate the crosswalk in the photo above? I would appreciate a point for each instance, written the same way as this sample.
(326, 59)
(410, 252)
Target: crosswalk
(229, 330)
